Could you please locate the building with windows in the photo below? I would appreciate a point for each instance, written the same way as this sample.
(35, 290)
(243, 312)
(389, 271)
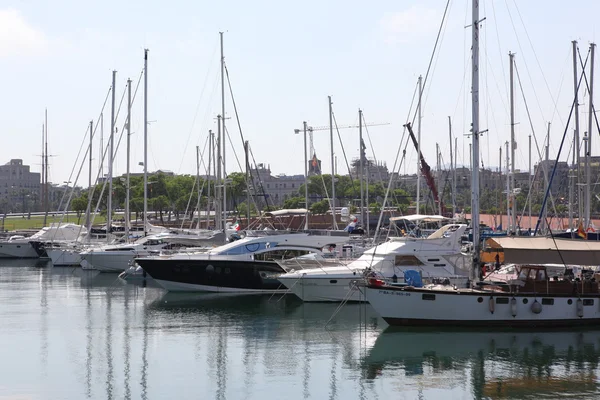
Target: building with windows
(19, 187)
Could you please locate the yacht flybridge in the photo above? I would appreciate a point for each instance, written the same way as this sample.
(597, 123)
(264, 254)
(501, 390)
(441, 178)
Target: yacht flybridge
(244, 266)
(436, 256)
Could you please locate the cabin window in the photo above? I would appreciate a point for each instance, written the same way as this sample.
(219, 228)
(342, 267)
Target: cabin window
(433, 259)
(407, 261)
(333, 281)
(427, 296)
(588, 302)
(279, 255)
(501, 300)
(439, 265)
(548, 302)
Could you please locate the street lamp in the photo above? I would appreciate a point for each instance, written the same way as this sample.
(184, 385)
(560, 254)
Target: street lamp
(297, 131)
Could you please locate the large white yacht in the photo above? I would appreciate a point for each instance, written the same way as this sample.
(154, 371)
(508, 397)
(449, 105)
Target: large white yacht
(33, 246)
(435, 256)
(246, 265)
(117, 258)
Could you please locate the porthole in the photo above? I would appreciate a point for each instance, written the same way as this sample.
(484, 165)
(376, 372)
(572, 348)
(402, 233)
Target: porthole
(569, 301)
(210, 269)
(480, 299)
(525, 301)
(333, 281)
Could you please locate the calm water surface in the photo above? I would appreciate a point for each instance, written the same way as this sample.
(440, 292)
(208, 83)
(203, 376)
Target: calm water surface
(72, 334)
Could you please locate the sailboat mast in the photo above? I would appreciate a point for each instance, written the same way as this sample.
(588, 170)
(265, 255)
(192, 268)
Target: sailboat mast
(453, 194)
(588, 153)
(419, 146)
(513, 144)
(571, 184)
(87, 215)
(197, 186)
(475, 136)
(577, 141)
(508, 216)
(110, 158)
(145, 219)
(332, 165)
(529, 183)
(210, 157)
(127, 194)
(224, 136)
(246, 149)
(218, 185)
(42, 198)
(304, 127)
(46, 207)
(362, 171)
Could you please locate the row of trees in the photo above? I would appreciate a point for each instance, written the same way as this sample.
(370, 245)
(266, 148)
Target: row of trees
(173, 195)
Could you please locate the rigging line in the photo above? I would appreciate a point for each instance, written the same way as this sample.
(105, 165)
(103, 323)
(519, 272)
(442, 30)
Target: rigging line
(557, 157)
(196, 181)
(432, 57)
(343, 151)
(544, 166)
(199, 102)
(102, 161)
(499, 50)
(84, 140)
(525, 62)
(395, 165)
(536, 57)
(239, 124)
(437, 56)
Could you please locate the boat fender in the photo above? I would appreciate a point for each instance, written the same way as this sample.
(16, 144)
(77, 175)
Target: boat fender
(513, 307)
(580, 308)
(492, 304)
(536, 307)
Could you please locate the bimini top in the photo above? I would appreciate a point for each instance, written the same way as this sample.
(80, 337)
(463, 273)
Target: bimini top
(419, 217)
(545, 250)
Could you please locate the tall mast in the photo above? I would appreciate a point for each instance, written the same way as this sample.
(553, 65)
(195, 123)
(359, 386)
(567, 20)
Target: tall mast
(304, 127)
(127, 194)
(419, 145)
(588, 152)
(332, 164)
(145, 219)
(42, 198)
(101, 157)
(87, 215)
(500, 172)
(475, 135)
(211, 150)
(453, 194)
(513, 144)
(224, 135)
(198, 185)
(545, 214)
(577, 149)
(110, 158)
(571, 185)
(454, 174)
(246, 148)
(529, 183)
(508, 202)
(362, 171)
(46, 206)
(218, 186)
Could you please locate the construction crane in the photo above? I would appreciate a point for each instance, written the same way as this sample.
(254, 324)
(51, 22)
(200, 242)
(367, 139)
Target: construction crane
(426, 171)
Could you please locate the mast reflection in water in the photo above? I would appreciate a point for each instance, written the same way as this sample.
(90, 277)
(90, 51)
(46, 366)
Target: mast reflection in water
(74, 334)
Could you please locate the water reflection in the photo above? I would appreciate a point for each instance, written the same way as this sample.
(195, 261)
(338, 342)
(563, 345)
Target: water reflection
(513, 364)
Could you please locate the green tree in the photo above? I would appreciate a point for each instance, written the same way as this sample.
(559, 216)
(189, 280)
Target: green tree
(79, 205)
(294, 202)
(320, 207)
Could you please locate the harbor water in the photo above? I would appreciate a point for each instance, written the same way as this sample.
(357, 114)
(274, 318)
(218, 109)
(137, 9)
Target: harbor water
(66, 333)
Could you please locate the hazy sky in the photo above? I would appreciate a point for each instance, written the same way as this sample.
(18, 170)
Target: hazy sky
(284, 59)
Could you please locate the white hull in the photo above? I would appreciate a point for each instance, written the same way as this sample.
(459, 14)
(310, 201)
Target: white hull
(474, 308)
(334, 287)
(17, 250)
(64, 257)
(324, 289)
(189, 287)
(110, 261)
